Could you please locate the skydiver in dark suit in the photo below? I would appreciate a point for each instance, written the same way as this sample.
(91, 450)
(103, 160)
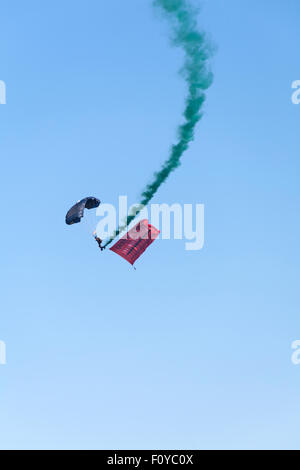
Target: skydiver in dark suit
(99, 241)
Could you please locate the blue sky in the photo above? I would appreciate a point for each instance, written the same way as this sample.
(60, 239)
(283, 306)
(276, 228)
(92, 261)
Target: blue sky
(193, 349)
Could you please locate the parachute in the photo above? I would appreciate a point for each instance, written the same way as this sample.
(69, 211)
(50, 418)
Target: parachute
(76, 212)
(136, 241)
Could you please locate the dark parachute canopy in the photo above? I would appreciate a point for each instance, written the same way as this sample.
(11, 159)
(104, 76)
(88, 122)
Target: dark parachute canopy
(76, 212)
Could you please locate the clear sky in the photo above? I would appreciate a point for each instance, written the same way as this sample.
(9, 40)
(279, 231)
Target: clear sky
(192, 350)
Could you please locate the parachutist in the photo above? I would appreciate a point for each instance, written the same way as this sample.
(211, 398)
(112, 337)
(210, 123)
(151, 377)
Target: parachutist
(99, 241)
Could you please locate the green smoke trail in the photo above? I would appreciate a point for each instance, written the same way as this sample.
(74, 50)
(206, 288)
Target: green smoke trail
(182, 16)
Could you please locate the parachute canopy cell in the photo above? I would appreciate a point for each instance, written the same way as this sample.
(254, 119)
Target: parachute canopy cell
(136, 241)
(76, 212)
